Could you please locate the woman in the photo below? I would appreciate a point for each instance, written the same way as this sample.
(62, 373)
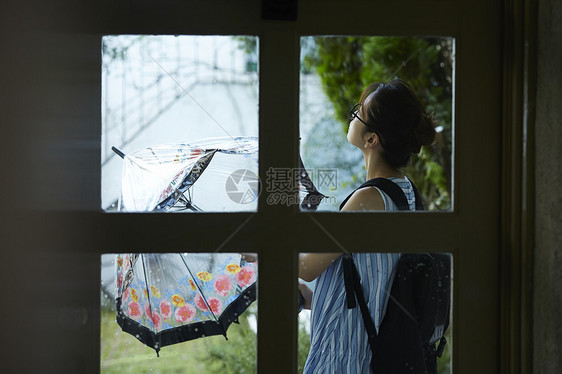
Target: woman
(388, 125)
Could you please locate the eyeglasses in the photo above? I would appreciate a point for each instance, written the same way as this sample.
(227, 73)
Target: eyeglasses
(354, 113)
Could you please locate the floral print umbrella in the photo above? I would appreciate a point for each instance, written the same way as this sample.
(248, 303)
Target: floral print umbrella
(168, 298)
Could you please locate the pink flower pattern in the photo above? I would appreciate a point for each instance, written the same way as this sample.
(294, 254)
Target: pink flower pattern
(216, 305)
(153, 316)
(223, 285)
(166, 309)
(125, 295)
(185, 313)
(134, 310)
(200, 303)
(157, 321)
(245, 276)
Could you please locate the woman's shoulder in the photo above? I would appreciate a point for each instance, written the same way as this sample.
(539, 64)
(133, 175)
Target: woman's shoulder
(366, 198)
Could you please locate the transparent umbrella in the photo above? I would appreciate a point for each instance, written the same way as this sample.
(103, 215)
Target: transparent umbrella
(162, 177)
(216, 174)
(168, 298)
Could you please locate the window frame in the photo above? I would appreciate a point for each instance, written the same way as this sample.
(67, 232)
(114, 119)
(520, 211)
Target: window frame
(479, 232)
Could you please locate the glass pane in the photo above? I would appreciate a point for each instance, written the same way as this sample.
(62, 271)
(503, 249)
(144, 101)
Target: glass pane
(335, 70)
(179, 306)
(408, 300)
(179, 123)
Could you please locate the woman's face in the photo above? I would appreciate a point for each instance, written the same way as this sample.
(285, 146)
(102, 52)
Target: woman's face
(357, 129)
(356, 132)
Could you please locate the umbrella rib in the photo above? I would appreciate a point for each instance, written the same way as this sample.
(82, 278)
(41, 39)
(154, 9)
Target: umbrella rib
(202, 295)
(149, 301)
(201, 164)
(155, 155)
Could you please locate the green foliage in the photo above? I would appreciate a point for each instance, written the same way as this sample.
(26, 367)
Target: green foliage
(346, 65)
(444, 362)
(238, 356)
(115, 48)
(122, 353)
(249, 44)
(339, 63)
(303, 347)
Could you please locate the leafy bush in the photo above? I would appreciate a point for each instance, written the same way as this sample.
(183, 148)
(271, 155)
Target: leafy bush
(346, 65)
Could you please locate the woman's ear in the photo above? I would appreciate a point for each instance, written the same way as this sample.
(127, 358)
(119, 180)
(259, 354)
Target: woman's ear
(371, 140)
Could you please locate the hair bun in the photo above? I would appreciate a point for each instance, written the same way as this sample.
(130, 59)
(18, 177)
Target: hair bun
(396, 114)
(424, 131)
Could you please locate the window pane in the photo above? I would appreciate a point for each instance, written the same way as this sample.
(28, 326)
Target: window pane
(408, 297)
(183, 112)
(334, 73)
(181, 303)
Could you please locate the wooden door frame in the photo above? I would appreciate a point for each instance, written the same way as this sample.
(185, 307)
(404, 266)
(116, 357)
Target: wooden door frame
(82, 234)
(518, 193)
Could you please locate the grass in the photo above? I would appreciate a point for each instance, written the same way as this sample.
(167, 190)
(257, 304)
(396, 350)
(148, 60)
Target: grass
(122, 353)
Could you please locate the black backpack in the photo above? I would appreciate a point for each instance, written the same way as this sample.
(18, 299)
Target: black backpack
(417, 314)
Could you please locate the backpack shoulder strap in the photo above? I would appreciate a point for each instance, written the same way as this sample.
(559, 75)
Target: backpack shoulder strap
(393, 191)
(353, 289)
(352, 279)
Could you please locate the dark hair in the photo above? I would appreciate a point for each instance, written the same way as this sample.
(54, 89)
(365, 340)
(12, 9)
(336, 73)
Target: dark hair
(395, 113)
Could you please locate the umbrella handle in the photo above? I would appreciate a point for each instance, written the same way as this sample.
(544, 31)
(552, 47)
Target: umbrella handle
(118, 151)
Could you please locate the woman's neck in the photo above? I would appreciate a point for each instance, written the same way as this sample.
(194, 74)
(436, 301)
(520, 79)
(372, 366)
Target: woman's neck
(377, 167)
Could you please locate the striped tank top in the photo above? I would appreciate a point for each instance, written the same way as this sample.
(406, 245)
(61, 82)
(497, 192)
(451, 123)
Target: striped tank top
(338, 337)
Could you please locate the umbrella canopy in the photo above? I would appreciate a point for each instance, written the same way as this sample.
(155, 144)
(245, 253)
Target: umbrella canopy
(217, 174)
(168, 298)
(159, 177)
